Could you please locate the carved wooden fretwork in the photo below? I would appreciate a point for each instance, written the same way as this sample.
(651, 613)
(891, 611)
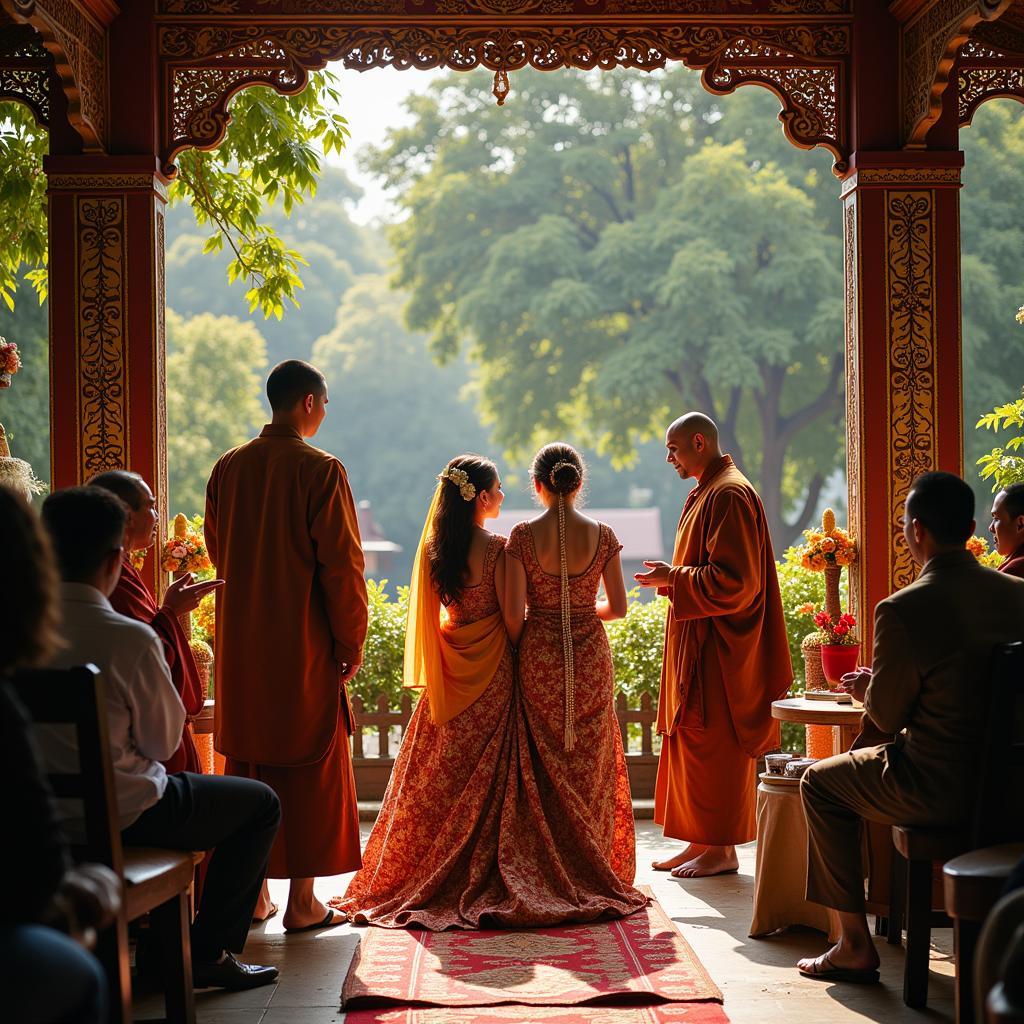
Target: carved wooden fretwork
(25, 70)
(985, 72)
(78, 46)
(202, 67)
(413, 10)
(930, 43)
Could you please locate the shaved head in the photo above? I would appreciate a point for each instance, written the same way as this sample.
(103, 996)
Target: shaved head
(692, 443)
(694, 423)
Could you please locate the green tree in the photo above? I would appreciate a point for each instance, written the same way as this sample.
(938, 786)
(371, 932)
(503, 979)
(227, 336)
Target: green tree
(611, 253)
(272, 151)
(215, 369)
(992, 236)
(25, 406)
(395, 417)
(336, 250)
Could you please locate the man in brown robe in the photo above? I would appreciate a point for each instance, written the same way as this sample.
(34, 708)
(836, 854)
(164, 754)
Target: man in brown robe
(726, 657)
(291, 619)
(132, 597)
(1007, 528)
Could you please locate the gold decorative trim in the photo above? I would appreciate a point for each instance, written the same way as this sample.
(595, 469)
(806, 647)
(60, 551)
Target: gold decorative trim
(159, 390)
(102, 354)
(911, 329)
(106, 183)
(984, 73)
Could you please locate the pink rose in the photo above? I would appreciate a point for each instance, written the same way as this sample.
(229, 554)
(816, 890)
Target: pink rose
(178, 551)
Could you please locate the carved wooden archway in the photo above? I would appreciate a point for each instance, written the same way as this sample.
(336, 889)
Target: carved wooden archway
(867, 79)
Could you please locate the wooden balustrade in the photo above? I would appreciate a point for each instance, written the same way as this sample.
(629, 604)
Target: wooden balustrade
(374, 770)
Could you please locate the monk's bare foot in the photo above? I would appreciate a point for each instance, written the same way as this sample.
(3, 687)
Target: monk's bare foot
(687, 854)
(266, 908)
(714, 860)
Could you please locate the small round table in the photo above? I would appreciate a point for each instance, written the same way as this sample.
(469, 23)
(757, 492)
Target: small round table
(845, 718)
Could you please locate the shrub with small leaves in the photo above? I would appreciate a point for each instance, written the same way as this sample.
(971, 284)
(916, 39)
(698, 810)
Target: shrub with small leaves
(636, 642)
(384, 648)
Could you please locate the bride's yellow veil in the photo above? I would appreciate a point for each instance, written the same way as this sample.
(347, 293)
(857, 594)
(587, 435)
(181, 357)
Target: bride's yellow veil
(453, 664)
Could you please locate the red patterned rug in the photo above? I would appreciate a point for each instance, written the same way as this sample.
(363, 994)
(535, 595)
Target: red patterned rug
(668, 1013)
(640, 959)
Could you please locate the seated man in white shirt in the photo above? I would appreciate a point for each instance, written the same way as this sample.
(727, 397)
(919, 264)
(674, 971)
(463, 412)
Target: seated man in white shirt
(236, 818)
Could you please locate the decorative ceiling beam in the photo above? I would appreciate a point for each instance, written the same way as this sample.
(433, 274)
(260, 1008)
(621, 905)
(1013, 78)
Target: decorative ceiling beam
(26, 68)
(930, 40)
(990, 65)
(205, 61)
(77, 42)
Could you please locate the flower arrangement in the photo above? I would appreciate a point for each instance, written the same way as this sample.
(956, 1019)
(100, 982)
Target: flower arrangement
(137, 558)
(978, 547)
(185, 549)
(460, 478)
(829, 547)
(10, 362)
(834, 631)
(204, 619)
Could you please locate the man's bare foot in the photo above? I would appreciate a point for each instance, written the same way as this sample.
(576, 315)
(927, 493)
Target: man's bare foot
(713, 860)
(688, 853)
(265, 907)
(845, 961)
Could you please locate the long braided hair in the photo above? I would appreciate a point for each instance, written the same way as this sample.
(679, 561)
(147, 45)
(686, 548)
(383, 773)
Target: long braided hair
(559, 469)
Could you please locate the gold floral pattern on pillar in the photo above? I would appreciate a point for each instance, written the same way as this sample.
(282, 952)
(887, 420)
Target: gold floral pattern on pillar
(805, 66)
(854, 466)
(910, 279)
(102, 358)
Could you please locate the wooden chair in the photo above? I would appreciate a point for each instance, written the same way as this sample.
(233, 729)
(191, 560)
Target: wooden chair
(921, 848)
(156, 882)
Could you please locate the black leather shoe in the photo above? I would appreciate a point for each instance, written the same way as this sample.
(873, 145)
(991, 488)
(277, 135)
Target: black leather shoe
(232, 975)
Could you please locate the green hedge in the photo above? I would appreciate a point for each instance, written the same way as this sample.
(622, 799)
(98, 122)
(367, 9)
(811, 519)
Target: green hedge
(636, 641)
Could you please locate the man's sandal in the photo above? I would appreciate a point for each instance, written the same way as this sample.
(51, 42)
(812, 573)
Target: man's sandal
(825, 970)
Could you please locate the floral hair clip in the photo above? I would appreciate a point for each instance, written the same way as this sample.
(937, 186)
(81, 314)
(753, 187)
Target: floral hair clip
(460, 478)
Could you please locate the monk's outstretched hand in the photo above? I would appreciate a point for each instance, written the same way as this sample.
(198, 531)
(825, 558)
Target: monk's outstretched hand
(183, 596)
(656, 575)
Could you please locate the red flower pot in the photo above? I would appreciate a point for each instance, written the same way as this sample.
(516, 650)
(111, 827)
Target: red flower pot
(837, 660)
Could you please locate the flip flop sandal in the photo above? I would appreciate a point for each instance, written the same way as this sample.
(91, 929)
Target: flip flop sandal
(274, 908)
(853, 975)
(332, 920)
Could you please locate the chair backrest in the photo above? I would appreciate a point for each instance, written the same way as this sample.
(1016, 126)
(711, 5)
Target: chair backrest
(76, 697)
(1002, 756)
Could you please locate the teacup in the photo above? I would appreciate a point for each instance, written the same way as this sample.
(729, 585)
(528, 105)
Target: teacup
(776, 763)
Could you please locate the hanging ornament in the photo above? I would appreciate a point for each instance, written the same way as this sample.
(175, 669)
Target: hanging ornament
(501, 87)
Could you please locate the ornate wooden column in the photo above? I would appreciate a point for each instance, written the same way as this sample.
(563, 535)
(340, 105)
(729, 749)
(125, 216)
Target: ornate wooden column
(904, 398)
(107, 345)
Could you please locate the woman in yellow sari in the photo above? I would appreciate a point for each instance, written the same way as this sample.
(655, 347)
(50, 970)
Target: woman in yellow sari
(431, 859)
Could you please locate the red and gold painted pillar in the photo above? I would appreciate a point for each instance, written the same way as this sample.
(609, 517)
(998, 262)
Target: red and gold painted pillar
(107, 343)
(902, 267)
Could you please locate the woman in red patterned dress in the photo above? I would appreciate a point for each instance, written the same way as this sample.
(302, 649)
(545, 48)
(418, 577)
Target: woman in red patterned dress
(555, 565)
(474, 831)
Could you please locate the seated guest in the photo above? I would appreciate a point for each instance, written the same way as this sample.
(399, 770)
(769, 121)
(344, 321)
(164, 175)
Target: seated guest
(236, 818)
(49, 976)
(1007, 528)
(131, 597)
(933, 649)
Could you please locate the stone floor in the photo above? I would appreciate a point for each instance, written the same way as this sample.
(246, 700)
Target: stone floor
(757, 976)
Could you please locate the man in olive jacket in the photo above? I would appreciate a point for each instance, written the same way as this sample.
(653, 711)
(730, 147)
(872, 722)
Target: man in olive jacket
(934, 642)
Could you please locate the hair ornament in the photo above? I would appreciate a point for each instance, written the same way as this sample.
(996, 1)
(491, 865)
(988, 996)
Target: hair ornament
(460, 478)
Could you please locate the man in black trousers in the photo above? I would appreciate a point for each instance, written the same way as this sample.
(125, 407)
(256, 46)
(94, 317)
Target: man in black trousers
(235, 818)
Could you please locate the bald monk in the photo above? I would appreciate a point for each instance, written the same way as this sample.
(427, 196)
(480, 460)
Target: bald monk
(726, 657)
(281, 529)
(132, 597)
(1007, 528)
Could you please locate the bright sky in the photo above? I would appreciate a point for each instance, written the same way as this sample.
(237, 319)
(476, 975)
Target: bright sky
(372, 103)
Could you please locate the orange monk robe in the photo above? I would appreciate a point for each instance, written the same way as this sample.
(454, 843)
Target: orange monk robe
(726, 660)
(281, 528)
(131, 597)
